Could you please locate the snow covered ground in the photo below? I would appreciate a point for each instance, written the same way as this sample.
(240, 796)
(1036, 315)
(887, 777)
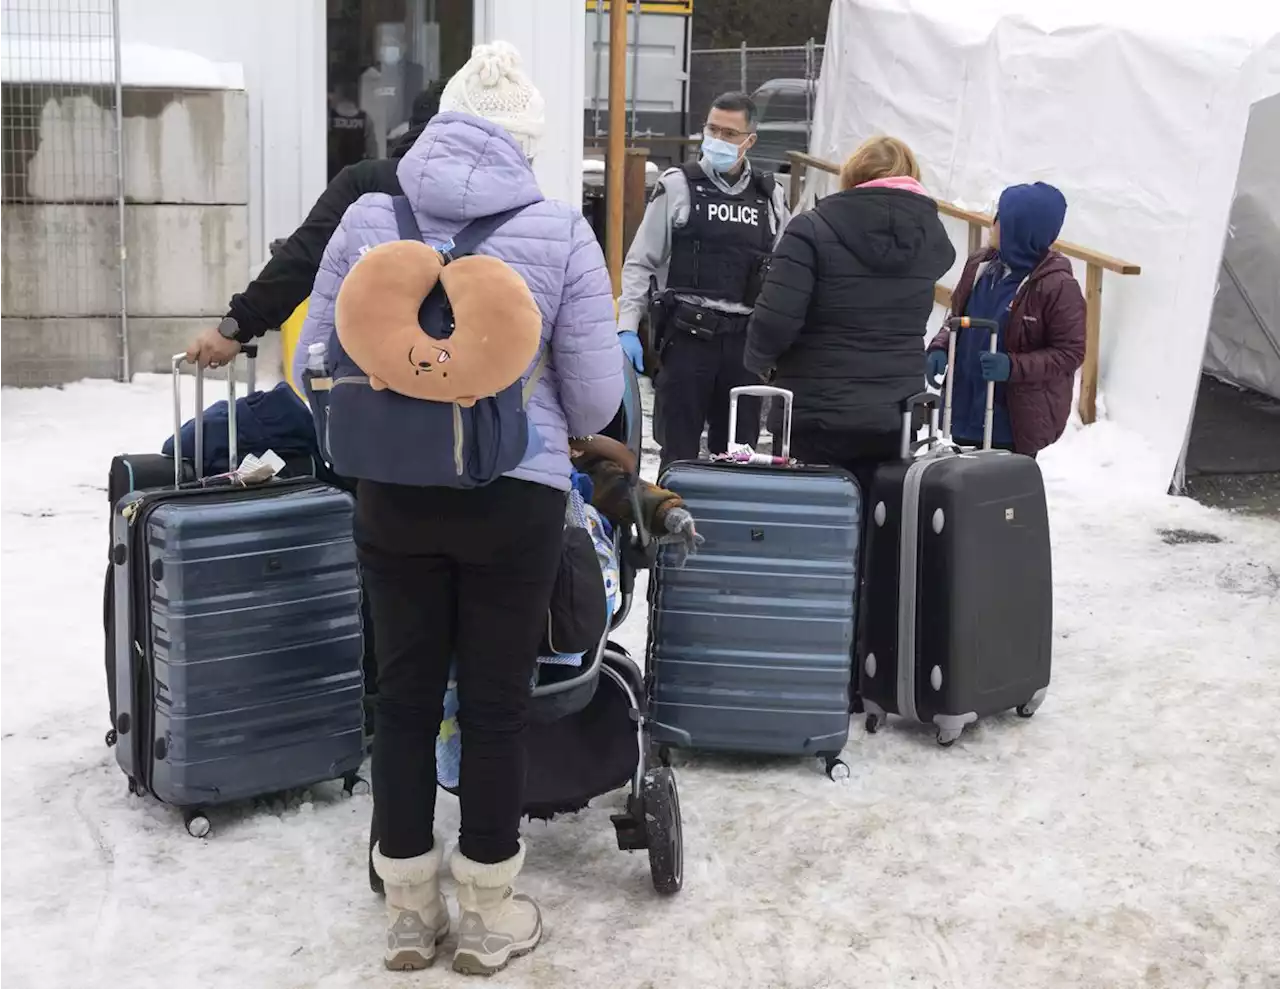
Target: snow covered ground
(1128, 835)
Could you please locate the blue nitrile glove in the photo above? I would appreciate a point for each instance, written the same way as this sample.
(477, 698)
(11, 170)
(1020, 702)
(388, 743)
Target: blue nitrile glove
(995, 367)
(632, 347)
(935, 363)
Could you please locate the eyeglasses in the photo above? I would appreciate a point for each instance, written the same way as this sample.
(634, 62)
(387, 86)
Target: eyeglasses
(724, 133)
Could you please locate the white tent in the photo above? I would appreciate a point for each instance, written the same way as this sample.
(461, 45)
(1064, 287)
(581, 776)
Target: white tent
(1137, 111)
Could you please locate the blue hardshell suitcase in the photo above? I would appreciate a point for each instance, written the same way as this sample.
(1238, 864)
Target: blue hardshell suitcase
(238, 637)
(750, 643)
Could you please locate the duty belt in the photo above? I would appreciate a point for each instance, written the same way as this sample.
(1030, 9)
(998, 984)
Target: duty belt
(705, 323)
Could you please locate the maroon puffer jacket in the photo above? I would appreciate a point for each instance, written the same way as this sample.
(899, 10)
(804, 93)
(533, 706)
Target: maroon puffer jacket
(1044, 338)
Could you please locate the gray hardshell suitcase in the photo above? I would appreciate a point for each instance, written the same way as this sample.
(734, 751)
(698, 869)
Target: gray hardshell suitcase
(751, 642)
(958, 618)
(238, 632)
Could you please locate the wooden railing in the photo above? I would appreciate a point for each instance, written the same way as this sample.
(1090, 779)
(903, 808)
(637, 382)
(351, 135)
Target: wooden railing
(1095, 264)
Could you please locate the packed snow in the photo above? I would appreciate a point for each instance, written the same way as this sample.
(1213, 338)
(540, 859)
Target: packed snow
(91, 61)
(1128, 835)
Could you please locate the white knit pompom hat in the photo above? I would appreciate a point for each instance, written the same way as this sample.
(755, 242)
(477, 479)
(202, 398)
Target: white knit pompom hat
(493, 86)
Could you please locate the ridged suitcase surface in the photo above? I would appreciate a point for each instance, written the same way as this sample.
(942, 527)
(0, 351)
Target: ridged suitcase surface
(958, 619)
(240, 612)
(750, 644)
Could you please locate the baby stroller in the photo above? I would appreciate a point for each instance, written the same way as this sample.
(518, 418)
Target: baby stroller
(587, 732)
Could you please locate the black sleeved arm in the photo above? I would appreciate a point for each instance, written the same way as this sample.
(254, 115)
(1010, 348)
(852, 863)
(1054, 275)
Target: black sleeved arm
(286, 281)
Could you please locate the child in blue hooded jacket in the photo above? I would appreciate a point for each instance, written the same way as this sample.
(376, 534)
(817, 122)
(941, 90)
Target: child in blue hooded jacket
(1031, 292)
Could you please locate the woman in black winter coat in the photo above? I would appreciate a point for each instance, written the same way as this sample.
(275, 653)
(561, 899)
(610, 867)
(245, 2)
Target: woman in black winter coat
(841, 318)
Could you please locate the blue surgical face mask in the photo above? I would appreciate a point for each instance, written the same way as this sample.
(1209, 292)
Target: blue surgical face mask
(720, 155)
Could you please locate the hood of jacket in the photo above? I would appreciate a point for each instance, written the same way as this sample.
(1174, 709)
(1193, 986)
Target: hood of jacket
(463, 167)
(1031, 218)
(889, 230)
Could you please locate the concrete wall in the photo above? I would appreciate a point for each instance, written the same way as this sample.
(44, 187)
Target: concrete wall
(281, 46)
(186, 231)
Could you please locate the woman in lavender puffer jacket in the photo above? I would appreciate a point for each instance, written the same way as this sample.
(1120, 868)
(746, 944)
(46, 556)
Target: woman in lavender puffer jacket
(467, 573)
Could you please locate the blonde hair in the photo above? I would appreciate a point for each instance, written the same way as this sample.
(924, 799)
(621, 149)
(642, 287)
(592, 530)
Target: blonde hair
(878, 158)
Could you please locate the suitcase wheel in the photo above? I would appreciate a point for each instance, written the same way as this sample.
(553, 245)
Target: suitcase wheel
(947, 737)
(354, 783)
(875, 722)
(198, 825)
(836, 768)
(1032, 706)
(112, 737)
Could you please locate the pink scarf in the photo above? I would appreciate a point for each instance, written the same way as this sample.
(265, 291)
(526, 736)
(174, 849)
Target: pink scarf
(904, 182)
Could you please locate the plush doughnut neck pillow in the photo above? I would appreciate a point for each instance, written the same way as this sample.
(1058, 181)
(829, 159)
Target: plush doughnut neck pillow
(497, 325)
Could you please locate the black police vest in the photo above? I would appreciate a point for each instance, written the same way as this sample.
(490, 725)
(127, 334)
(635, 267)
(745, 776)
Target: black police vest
(718, 252)
(346, 140)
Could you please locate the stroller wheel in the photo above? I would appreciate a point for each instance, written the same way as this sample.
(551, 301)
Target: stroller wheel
(375, 880)
(664, 830)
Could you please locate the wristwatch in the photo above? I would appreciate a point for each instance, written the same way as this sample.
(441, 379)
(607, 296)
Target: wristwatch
(229, 329)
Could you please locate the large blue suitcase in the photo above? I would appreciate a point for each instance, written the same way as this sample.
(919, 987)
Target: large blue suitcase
(751, 642)
(238, 641)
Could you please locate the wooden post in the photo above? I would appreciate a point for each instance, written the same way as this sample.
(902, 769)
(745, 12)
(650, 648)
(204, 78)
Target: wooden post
(975, 238)
(634, 199)
(797, 182)
(1093, 337)
(615, 157)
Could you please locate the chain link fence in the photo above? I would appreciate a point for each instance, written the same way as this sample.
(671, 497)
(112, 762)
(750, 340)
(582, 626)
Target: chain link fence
(783, 81)
(63, 192)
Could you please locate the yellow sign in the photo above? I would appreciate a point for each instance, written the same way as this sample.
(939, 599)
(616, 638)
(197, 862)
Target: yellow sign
(684, 7)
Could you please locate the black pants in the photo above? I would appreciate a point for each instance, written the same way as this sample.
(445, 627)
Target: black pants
(857, 452)
(860, 454)
(463, 575)
(693, 391)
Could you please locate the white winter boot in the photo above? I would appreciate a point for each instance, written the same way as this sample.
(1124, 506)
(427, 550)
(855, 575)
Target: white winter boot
(495, 923)
(417, 915)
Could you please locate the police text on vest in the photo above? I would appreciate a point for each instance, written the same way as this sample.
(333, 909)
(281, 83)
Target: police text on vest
(734, 213)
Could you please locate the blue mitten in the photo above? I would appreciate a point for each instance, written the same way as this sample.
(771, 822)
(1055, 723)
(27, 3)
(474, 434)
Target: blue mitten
(633, 349)
(995, 367)
(935, 365)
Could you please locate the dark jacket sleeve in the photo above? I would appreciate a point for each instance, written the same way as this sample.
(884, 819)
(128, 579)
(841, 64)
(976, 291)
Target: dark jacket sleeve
(286, 280)
(783, 303)
(1064, 334)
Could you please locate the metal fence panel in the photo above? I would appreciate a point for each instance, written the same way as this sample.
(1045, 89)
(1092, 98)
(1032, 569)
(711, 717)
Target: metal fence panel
(713, 71)
(63, 191)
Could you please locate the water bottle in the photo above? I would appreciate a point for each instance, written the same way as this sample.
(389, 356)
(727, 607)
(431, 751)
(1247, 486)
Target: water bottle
(315, 358)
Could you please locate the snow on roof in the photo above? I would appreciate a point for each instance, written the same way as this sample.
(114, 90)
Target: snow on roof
(91, 61)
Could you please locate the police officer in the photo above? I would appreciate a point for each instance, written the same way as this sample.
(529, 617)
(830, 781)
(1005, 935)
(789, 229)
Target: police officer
(703, 246)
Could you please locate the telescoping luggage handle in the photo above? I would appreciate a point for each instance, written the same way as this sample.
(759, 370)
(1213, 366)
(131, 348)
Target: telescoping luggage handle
(955, 324)
(763, 391)
(251, 352)
(909, 444)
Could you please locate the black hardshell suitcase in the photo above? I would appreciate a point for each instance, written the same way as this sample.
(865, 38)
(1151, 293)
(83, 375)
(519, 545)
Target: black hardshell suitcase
(238, 630)
(958, 604)
(751, 643)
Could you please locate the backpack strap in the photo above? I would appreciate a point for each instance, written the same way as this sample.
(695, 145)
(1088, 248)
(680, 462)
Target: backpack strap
(464, 241)
(406, 222)
(478, 231)
(532, 383)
